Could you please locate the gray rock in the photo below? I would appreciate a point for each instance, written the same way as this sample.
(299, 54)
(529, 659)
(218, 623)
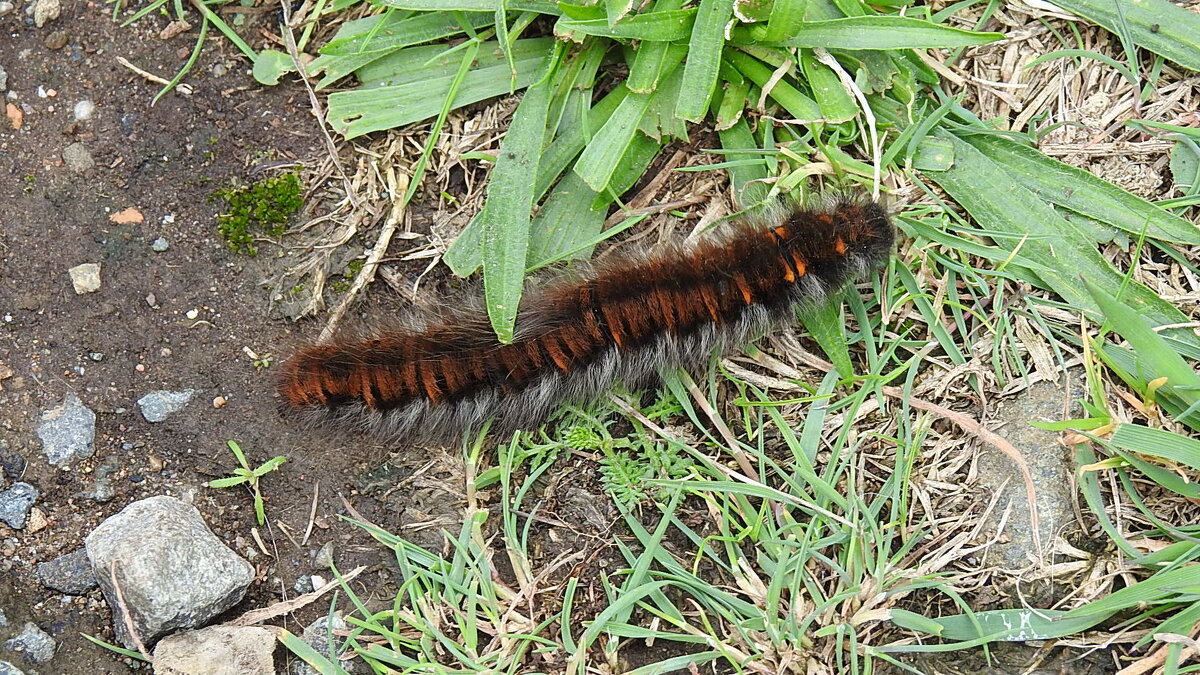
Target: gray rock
(77, 158)
(85, 278)
(173, 572)
(3, 619)
(158, 405)
(317, 636)
(217, 650)
(7, 668)
(70, 573)
(159, 245)
(67, 432)
(323, 560)
(6, 7)
(34, 643)
(3, 72)
(15, 503)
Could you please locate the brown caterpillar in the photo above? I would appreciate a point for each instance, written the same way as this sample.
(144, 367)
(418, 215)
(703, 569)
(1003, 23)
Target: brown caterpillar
(626, 319)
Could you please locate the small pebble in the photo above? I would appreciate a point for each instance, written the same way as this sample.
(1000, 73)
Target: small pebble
(127, 446)
(56, 40)
(219, 69)
(136, 478)
(151, 300)
(323, 560)
(85, 278)
(140, 368)
(96, 356)
(37, 521)
(84, 109)
(158, 405)
(159, 245)
(192, 314)
(3, 72)
(219, 402)
(6, 8)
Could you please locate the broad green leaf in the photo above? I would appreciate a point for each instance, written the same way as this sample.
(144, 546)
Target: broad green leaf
(801, 108)
(602, 154)
(703, 59)
(1020, 220)
(464, 255)
(1157, 25)
(1158, 443)
(664, 26)
(1162, 587)
(825, 323)
(1017, 625)
(490, 6)
(395, 31)
(1081, 191)
(407, 86)
(837, 105)
(872, 32)
(270, 65)
(510, 199)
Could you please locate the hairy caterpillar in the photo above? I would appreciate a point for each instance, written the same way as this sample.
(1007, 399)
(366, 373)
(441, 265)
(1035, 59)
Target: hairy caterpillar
(624, 320)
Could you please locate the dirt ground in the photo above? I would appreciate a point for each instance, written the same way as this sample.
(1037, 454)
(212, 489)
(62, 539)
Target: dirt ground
(111, 347)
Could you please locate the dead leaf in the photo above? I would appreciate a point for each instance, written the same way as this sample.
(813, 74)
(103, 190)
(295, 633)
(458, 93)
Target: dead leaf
(126, 217)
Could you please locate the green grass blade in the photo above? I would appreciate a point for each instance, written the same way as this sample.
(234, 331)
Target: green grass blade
(1159, 26)
(510, 202)
(799, 106)
(1158, 443)
(1082, 192)
(827, 327)
(746, 179)
(395, 32)
(406, 86)
(876, 33)
(1155, 358)
(465, 255)
(1019, 219)
(664, 26)
(600, 158)
(1010, 624)
(490, 6)
(704, 59)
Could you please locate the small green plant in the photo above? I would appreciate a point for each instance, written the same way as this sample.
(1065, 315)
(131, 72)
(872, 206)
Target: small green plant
(342, 285)
(263, 207)
(244, 474)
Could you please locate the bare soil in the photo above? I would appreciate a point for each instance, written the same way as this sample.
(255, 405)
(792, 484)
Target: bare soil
(164, 161)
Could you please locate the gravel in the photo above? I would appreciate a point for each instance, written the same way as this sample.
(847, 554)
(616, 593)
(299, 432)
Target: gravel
(34, 643)
(159, 405)
(15, 503)
(85, 278)
(70, 573)
(68, 432)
